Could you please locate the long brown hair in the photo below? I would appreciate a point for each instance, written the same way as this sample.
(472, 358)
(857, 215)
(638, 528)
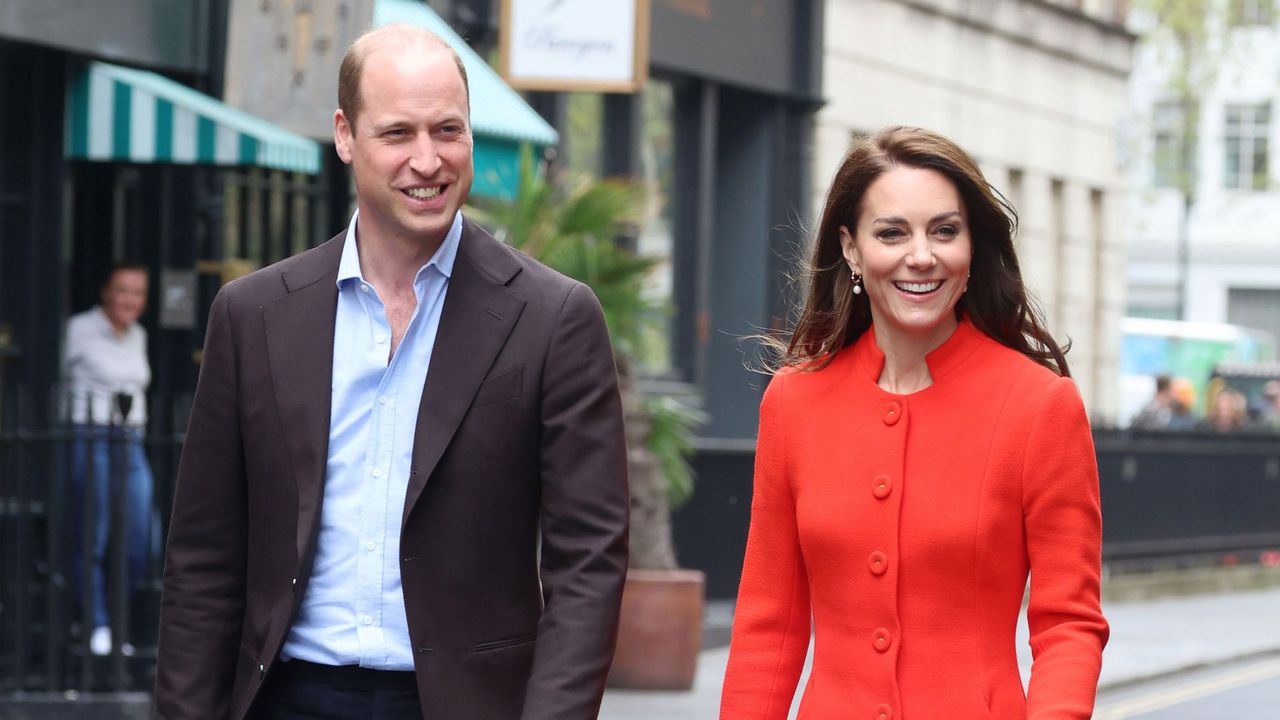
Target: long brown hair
(996, 302)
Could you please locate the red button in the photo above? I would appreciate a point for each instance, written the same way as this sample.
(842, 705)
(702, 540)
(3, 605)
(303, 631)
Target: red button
(892, 413)
(884, 712)
(878, 563)
(881, 487)
(881, 640)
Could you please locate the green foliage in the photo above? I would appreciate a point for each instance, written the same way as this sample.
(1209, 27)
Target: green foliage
(670, 433)
(572, 228)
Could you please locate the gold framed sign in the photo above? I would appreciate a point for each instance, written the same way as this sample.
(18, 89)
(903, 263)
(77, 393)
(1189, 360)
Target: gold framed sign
(575, 45)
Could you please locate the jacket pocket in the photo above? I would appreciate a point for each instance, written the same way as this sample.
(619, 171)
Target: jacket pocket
(490, 645)
(499, 388)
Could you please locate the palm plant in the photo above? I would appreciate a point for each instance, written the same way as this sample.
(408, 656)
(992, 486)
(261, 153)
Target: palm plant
(573, 228)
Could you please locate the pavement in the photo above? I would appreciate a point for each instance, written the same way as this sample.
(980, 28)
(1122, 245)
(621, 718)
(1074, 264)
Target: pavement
(1150, 638)
(1162, 624)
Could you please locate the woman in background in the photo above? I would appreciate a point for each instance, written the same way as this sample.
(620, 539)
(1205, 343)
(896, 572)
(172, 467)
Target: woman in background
(921, 450)
(105, 369)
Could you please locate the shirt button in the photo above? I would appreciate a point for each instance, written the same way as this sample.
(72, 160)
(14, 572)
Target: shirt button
(379, 338)
(884, 712)
(878, 563)
(881, 640)
(369, 546)
(382, 400)
(892, 413)
(881, 487)
(368, 619)
(377, 472)
(364, 288)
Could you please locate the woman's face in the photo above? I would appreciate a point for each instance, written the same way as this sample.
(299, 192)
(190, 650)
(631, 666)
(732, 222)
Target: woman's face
(912, 248)
(125, 297)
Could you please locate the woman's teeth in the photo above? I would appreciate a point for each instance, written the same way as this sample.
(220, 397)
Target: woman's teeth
(918, 288)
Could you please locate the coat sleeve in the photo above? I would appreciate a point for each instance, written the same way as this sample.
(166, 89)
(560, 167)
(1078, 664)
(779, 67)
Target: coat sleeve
(585, 511)
(1063, 520)
(202, 607)
(771, 623)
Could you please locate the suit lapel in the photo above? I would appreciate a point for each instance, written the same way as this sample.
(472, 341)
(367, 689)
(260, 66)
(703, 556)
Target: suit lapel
(299, 330)
(478, 315)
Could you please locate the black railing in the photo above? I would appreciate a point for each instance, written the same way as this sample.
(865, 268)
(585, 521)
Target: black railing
(1167, 498)
(55, 530)
(1184, 494)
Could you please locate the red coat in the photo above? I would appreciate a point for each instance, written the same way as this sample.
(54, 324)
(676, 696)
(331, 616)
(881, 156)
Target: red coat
(905, 527)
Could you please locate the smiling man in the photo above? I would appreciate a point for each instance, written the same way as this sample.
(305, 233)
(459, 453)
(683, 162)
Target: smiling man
(403, 488)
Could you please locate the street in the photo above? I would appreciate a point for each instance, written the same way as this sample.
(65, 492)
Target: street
(1212, 656)
(1245, 689)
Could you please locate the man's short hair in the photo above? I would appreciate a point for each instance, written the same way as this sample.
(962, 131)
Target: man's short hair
(352, 67)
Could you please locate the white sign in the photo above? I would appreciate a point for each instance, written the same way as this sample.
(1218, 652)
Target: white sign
(575, 45)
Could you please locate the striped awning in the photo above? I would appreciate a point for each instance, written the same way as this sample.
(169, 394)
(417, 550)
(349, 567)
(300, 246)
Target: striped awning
(501, 120)
(120, 114)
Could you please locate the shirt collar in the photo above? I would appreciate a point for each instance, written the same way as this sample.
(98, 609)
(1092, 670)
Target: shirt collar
(442, 260)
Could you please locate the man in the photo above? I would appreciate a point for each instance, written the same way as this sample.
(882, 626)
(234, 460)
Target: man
(1161, 410)
(404, 443)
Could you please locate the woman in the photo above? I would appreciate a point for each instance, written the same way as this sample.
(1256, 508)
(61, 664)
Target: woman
(920, 451)
(105, 367)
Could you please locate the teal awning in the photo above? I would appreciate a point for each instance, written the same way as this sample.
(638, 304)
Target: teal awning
(500, 119)
(116, 113)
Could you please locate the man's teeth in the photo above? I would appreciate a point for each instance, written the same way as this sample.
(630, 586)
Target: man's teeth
(924, 287)
(423, 193)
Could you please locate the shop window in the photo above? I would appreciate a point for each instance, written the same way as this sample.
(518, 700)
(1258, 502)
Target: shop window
(581, 141)
(657, 170)
(1245, 143)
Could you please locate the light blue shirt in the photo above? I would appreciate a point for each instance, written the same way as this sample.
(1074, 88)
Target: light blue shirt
(353, 609)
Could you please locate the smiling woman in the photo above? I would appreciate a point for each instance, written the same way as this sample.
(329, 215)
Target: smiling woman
(921, 452)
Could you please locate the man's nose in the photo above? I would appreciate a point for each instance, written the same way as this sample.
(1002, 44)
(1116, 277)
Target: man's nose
(425, 159)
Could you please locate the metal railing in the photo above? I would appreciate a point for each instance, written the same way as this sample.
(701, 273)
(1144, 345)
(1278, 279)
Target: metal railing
(66, 510)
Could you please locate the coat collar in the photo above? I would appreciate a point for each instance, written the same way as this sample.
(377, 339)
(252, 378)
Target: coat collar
(479, 312)
(480, 309)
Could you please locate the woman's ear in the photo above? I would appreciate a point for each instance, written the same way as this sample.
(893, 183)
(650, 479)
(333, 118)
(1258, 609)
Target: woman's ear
(850, 250)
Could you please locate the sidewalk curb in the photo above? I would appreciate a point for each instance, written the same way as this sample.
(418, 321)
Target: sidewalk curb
(1188, 667)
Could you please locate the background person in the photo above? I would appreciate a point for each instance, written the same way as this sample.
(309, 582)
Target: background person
(1271, 409)
(920, 451)
(1159, 413)
(105, 372)
(403, 491)
(1227, 412)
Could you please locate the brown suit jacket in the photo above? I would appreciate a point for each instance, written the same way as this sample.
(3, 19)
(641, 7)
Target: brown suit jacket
(519, 444)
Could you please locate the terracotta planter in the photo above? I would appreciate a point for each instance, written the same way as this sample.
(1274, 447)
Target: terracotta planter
(660, 633)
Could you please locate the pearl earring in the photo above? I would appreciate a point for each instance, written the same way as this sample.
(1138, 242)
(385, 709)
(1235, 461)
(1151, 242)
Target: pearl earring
(857, 282)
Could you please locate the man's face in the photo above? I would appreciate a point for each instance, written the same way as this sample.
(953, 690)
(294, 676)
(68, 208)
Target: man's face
(410, 145)
(125, 297)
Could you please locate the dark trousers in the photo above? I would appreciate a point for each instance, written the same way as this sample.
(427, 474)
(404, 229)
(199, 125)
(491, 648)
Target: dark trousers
(298, 690)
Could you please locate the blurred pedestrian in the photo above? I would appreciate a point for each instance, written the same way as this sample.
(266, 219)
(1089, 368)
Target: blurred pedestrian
(1158, 413)
(1271, 410)
(1184, 398)
(920, 450)
(403, 491)
(106, 374)
(1228, 412)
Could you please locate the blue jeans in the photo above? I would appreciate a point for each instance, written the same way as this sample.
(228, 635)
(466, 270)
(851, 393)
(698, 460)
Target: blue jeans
(108, 457)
